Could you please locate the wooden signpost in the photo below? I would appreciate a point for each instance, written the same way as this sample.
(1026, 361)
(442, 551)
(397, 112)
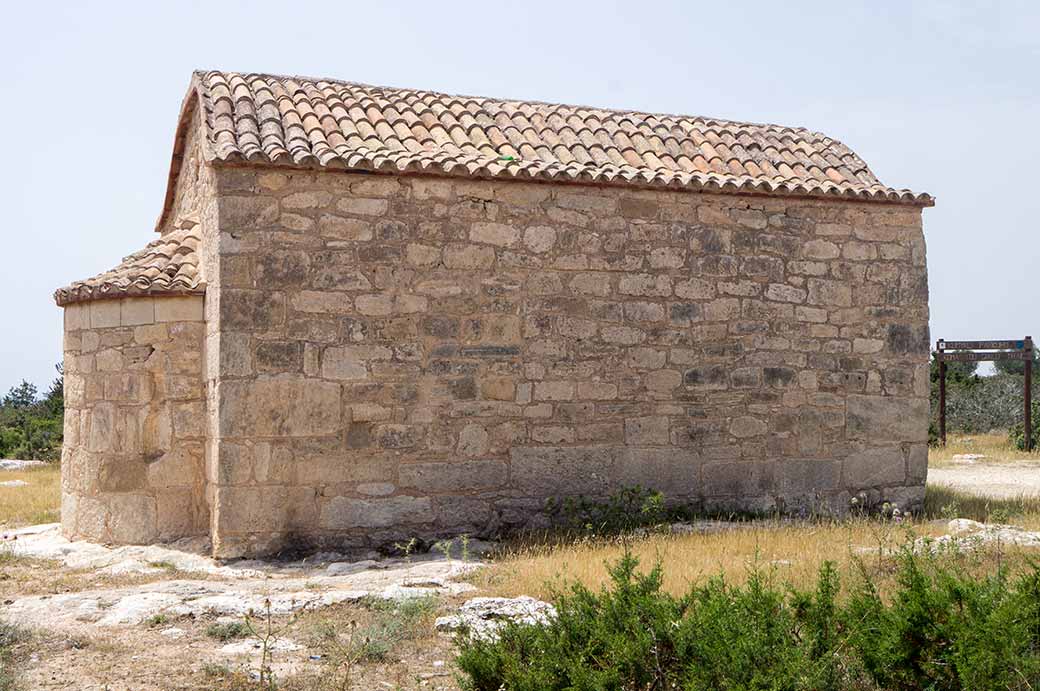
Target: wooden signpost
(967, 351)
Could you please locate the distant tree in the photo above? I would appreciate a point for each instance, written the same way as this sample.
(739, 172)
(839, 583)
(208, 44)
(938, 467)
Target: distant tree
(21, 396)
(31, 427)
(957, 373)
(1018, 366)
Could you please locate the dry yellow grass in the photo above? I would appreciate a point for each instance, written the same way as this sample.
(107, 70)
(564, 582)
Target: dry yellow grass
(994, 446)
(37, 502)
(792, 551)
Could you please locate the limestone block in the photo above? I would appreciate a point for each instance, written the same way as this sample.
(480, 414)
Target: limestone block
(595, 391)
(242, 212)
(917, 463)
(458, 256)
(279, 407)
(622, 335)
(137, 311)
(321, 302)
(499, 234)
(174, 308)
(342, 364)
(539, 239)
(663, 381)
(554, 391)
(667, 257)
(342, 513)
(799, 476)
(251, 310)
(132, 519)
(659, 285)
(423, 255)
(875, 467)
(498, 389)
(695, 289)
(563, 471)
(175, 468)
(91, 519)
(457, 476)
(77, 316)
(189, 419)
(644, 311)
(832, 293)
(820, 249)
(673, 472)
(360, 206)
(738, 479)
(591, 283)
(175, 515)
(878, 419)
(473, 440)
(344, 229)
(105, 314)
(784, 293)
(250, 510)
(647, 431)
(553, 434)
(279, 356)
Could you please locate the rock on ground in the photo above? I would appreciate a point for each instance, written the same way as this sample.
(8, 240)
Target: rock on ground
(12, 464)
(229, 590)
(966, 534)
(482, 617)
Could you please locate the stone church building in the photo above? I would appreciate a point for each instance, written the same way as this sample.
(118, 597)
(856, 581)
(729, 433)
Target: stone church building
(373, 313)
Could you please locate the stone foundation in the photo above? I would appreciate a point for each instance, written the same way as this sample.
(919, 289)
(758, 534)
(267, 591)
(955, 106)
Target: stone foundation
(135, 420)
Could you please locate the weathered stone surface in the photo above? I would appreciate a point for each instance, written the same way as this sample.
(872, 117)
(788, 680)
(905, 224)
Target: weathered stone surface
(444, 353)
(876, 467)
(560, 471)
(454, 477)
(279, 407)
(887, 418)
(343, 512)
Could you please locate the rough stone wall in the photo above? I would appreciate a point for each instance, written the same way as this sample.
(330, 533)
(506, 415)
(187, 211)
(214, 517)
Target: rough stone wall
(414, 355)
(135, 416)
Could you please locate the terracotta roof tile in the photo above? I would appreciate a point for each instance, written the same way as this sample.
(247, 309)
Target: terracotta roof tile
(167, 266)
(303, 122)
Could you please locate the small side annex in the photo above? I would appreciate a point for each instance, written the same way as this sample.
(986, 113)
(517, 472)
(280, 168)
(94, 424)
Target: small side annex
(376, 313)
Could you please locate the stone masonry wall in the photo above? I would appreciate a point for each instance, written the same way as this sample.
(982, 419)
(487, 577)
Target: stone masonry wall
(413, 355)
(135, 415)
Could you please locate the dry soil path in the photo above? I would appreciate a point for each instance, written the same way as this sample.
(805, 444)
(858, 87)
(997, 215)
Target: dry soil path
(998, 480)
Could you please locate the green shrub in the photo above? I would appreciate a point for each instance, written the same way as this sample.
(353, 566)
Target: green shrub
(1017, 433)
(227, 631)
(624, 510)
(634, 636)
(941, 629)
(944, 629)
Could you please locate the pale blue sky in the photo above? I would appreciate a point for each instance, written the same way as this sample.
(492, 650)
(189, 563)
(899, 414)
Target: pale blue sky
(939, 97)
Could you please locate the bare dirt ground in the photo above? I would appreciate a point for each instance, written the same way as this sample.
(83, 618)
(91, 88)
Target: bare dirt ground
(154, 618)
(991, 478)
(164, 618)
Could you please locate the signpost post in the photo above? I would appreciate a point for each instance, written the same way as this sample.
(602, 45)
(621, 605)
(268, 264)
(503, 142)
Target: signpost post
(968, 351)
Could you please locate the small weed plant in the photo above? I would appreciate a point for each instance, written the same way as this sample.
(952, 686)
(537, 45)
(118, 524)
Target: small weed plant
(623, 511)
(941, 628)
(227, 631)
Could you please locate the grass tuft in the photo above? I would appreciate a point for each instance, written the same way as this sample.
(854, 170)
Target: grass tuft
(34, 503)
